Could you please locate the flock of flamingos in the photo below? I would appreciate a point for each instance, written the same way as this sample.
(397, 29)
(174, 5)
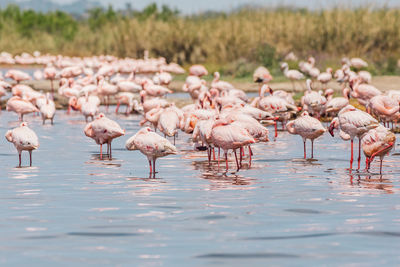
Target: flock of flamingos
(221, 116)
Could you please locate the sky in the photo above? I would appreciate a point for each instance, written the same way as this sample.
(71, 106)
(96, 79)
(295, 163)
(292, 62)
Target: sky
(195, 6)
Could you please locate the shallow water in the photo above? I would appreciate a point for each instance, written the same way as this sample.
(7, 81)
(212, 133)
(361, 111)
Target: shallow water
(71, 208)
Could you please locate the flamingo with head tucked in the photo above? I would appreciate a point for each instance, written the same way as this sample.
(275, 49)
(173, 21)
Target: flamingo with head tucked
(308, 128)
(23, 138)
(103, 130)
(152, 145)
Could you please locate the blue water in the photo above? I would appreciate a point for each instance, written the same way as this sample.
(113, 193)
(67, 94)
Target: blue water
(71, 208)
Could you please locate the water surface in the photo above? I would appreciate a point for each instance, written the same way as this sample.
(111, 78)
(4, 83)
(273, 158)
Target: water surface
(71, 208)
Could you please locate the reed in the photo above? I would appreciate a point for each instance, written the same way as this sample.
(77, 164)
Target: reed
(232, 42)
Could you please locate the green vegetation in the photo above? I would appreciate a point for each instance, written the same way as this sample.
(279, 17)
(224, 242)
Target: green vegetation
(233, 43)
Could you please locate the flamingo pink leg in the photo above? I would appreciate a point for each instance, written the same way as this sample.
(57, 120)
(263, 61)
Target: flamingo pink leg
(250, 154)
(218, 156)
(304, 144)
(101, 151)
(351, 159)
(151, 170)
(359, 153)
(276, 129)
(213, 150)
(237, 163)
(209, 154)
(117, 108)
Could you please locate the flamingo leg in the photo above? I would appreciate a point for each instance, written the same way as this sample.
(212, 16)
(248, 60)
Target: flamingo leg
(276, 129)
(218, 156)
(110, 155)
(30, 158)
(174, 143)
(19, 156)
(241, 153)
(250, 154)
(209, 155)
(226, 161)
(101, 151)
(351, 159)
(304, 144)
(117, 108)
(213, 150)
(154, 167)
(151, 170)
(359, 153)
(312, 148)
(237, 163)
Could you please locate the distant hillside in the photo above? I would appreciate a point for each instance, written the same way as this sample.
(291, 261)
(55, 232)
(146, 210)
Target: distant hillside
(78, 7)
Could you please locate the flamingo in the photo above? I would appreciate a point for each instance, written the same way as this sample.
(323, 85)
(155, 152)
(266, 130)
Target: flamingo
(220, 85)
(325, 77)
(292, 75)
(227, 136)
(23, 138)
(18, 75)
(384, 107)
(353, 123)
(377, 142)
(50, 73)
(20, 106)
(103, 130)
(308, 128)
(198, 70)
(313, 101)
(334, 105)
(363, 92)
(48, 110)
(169, 121)
(129, 100)
(152, 145)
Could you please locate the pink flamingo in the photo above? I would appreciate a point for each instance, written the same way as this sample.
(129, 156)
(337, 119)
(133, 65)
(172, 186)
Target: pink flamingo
(103, 131)
(384, 107)
(198, 70)
(313, 101)
(325, 77)
(50, 73)
(363, 92)
(292, 75)
(377, 142)
(353, 123)
(48, 110)
(169, 121)
(128, 99)
(23, 138)
(227, 136)
(220, 85)
(18, 75)
(308, 128)
(20, 106)
(334, 105)
(151, 145)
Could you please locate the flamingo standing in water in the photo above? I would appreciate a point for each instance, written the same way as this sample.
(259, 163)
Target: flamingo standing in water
(152, 145)
(377, 142)
(308, 128)
(48, 109)
(20, 106)
(227, 136)
(353, 123)
(50, 73)
(103, 131)
(384, 107)
(292, 75)
(23, 138)
(18, 75)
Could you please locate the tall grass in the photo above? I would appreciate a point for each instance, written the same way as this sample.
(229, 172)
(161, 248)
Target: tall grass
(225, 41)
